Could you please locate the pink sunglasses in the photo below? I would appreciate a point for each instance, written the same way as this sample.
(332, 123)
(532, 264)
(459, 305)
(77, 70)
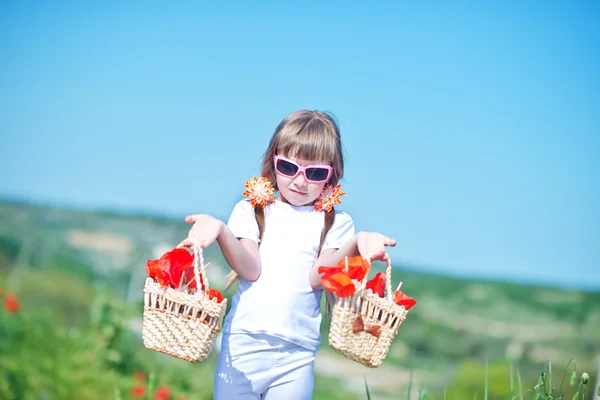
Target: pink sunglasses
(312, 173)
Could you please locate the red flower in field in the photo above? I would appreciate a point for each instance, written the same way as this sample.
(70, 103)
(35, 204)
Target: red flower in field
(377, 284)
(138, 391)
(11, 303)
(215, 294)
(139, 376)
(162, 393)
(403, 300)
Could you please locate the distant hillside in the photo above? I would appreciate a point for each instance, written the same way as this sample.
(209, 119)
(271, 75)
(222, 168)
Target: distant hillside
(455, 319)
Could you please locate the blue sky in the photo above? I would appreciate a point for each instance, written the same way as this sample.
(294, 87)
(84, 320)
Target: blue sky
(471, 129)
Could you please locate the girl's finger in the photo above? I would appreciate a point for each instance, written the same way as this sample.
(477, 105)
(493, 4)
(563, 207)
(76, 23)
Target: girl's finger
(389, 242)
(376, 255)
(363, 253)
(381, 255)
(191, 218)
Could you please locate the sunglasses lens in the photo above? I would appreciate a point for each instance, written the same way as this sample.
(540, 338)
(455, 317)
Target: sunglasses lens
(317, 174)
(286, 168)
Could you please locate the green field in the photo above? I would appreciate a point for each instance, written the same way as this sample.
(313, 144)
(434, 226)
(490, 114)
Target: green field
(78, 277)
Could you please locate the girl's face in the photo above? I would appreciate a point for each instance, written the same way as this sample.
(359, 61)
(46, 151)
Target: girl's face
(292, 182)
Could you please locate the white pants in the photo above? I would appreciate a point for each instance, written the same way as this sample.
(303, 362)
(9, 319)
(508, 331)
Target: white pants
(263, 367)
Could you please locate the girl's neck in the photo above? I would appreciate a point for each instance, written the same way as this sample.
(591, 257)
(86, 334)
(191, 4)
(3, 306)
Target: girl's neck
(284, 200)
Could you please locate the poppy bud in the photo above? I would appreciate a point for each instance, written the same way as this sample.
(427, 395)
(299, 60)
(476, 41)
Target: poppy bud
(573, 378)
(542, 380)
(585, 378)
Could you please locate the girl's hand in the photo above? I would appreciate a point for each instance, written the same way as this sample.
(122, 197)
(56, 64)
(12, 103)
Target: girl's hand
(371, 245)
(205, 230)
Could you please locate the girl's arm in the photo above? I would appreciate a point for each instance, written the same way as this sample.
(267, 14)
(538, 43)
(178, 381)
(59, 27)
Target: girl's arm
(241, 254)
(369, 245)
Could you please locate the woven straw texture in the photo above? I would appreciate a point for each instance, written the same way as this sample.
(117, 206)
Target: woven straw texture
(364, 325)
(181, 324)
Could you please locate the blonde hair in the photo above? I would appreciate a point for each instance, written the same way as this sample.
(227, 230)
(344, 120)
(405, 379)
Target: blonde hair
(308, 135)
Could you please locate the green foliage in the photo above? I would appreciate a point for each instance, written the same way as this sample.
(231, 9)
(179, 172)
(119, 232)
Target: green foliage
(43, 357)
(76, 337)
(9, 250)
(496, 381)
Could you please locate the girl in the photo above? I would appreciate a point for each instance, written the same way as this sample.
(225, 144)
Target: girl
(274, 247)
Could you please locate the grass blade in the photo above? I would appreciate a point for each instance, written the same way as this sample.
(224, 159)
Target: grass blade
(520, 386)
(485, 394)
(550, 375)
(410, 381)
(512, 382)
(564, 374)
(367, 389)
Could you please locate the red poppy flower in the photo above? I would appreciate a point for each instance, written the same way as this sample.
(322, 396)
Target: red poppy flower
(403, 300)
(159, 270)
(152, 268)
(139, 376)
(377, 284)
(215, 294)
(179, 261)
(329, 270)
(162, 393)
(138, 391)
(171, 267)
(357, 267)
(338, 283)
(11, 304)
(190, 279)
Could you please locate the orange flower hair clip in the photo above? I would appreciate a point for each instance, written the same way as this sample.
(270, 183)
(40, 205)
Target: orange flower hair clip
(329, 197)
(259, 191)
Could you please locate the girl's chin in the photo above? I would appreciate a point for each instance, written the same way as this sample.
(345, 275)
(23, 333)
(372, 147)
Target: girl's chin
(297, 199)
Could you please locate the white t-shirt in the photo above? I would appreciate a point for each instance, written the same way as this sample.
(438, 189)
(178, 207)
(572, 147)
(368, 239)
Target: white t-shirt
(281, 302)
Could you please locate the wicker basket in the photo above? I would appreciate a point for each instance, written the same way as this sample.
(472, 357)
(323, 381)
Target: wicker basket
(181, 324)
(364, 325)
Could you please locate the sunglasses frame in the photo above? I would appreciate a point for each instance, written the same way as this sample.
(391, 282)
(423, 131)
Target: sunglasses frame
(302, 170)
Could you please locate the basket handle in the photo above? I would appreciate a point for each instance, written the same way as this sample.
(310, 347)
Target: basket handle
(388, 278)
(199, 266)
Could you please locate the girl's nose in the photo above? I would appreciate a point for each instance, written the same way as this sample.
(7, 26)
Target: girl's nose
(300, 180)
